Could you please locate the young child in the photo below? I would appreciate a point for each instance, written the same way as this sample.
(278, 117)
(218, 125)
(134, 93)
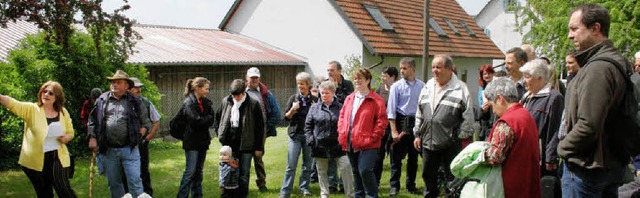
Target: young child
(229, 173)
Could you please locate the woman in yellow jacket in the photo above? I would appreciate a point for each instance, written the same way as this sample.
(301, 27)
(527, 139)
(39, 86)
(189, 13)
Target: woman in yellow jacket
(47, 129)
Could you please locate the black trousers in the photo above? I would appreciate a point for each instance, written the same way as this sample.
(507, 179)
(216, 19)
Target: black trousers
(144, 169)
(52, 176)
(403, 148)
(228, 193)
(432, 162)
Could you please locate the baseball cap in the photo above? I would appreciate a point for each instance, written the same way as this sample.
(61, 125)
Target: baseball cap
(253, 72)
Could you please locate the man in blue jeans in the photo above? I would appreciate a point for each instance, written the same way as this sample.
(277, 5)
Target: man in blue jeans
(115, 129)
(594, 167)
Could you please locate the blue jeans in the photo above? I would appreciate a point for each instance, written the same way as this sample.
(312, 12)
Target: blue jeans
(245, 171)
(297, 146)
(127, 159)
(364, 178)
(580, 182)
(192, 176)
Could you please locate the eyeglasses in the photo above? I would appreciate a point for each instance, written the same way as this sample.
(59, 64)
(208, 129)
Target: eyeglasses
(48, 92)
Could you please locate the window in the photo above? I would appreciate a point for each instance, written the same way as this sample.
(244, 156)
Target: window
(379, 18)
(487, 32)
(466, 27)
(452, 27)
(434, 25)
(510, 5)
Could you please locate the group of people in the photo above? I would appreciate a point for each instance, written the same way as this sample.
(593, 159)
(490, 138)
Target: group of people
(532, 127)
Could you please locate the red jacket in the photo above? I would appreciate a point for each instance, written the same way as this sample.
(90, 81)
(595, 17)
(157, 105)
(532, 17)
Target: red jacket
(368, 124)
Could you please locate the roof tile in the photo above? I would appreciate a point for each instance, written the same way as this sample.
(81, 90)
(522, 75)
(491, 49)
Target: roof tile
(406, 18)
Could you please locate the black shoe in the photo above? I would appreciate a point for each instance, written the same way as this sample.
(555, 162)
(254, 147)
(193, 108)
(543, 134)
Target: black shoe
(414, 191)
(263, 188)
(393, 192)
(341, 188)
(333, 189)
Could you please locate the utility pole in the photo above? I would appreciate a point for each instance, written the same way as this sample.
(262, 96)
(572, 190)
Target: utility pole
(426, 67)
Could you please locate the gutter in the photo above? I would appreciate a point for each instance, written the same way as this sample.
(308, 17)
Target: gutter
(377, 64)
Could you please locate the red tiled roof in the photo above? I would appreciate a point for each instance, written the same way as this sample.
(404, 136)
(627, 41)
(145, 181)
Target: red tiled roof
(163, 45)
(406, 18)
(10, 37)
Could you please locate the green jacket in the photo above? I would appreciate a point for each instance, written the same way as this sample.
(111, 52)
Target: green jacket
(483, 180)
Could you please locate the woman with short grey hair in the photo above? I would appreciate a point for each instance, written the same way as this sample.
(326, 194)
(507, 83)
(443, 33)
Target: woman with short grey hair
(321, 130)
(513, 141)
(546, 105)
(297, 110)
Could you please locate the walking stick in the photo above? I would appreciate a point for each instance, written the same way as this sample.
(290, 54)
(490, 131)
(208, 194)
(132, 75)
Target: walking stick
(92, 168)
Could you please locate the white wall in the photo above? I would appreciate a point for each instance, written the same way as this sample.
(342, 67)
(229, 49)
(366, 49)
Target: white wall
(310, 28)
(501, 25)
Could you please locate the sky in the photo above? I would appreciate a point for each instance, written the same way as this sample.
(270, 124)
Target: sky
(204, 13)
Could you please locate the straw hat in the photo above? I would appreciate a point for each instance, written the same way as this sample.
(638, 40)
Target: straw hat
(121, 75)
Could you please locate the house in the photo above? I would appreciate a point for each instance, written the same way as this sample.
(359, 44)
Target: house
(498, 19)
(377, 32)
(173, 54)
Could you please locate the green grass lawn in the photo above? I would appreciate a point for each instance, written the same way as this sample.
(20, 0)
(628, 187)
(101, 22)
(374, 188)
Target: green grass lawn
(167, 165)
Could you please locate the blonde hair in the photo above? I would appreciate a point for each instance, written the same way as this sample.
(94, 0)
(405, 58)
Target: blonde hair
(193, 83)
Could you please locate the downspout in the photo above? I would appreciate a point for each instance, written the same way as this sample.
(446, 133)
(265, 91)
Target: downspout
(377, 64)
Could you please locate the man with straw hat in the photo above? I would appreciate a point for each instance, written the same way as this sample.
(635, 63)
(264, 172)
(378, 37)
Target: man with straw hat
(115, 129)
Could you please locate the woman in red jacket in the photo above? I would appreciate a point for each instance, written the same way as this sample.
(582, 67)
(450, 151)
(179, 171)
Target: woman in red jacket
(361, 127)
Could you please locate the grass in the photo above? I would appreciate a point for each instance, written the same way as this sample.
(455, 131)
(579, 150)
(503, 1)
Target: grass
(167, 165)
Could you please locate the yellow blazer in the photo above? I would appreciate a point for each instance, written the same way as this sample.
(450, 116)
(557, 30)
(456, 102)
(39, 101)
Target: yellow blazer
(35, 131)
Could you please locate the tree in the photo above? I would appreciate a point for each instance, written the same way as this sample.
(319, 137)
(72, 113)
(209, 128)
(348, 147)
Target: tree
(56, 19)
(548, 21)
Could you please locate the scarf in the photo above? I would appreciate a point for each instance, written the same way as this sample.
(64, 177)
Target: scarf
(235, 112)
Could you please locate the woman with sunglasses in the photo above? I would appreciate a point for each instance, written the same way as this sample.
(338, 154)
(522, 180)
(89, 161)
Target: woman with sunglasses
(44, 156)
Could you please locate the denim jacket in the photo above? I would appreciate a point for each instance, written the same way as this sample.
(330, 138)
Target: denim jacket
(229, 176)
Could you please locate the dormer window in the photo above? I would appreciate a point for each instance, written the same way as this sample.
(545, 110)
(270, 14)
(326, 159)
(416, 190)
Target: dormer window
(469, 30)
(379, 18)
(452, 27)
(434, 25)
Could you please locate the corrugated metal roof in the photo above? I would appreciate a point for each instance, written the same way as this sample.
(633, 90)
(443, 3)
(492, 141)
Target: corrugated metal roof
(406, 18)
(166, 45)
(10, 37)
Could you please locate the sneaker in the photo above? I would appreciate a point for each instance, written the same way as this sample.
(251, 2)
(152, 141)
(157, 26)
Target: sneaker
(263, 188)
(393, 192)
(306, 193)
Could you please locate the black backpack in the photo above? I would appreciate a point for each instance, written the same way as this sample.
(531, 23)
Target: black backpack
(626, 136)
(178, 124)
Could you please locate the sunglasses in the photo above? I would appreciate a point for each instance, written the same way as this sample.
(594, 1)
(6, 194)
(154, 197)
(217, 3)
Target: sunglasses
(48, 92)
